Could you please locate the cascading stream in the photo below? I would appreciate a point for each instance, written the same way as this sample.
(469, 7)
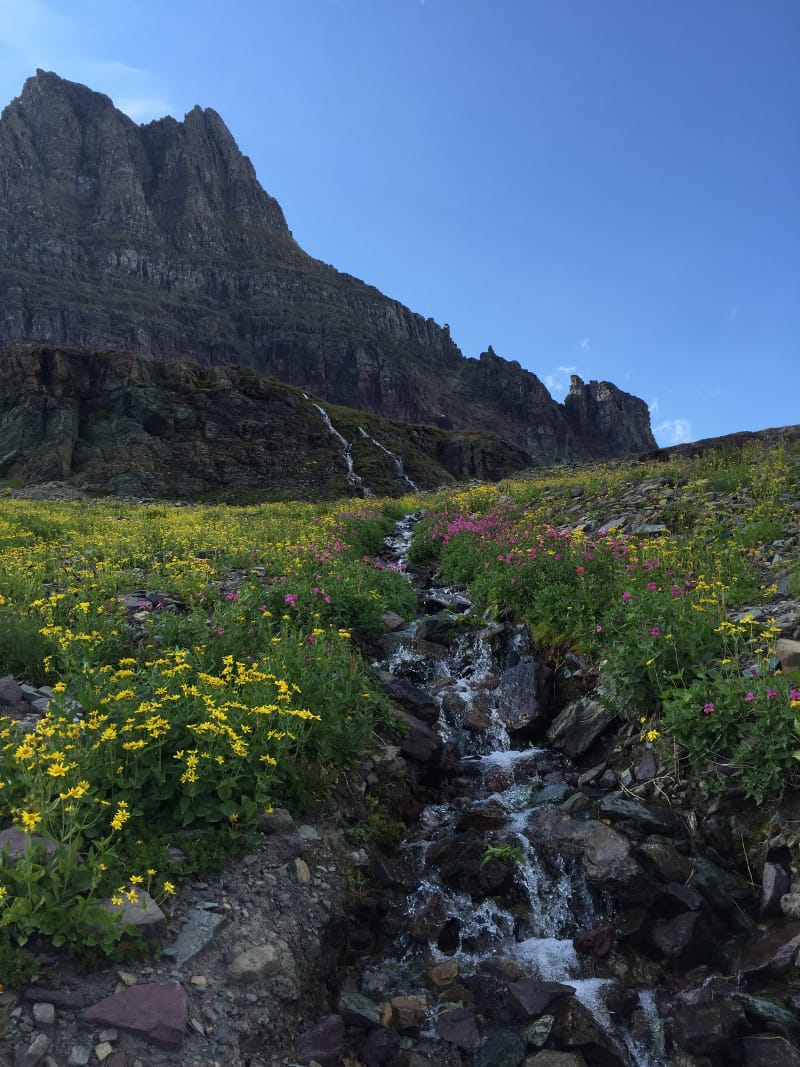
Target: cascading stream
(484, 893)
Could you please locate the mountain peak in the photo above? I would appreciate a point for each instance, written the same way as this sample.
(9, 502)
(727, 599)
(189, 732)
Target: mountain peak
(158, 239)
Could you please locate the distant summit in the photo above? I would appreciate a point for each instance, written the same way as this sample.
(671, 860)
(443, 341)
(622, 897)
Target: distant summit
(159, 240)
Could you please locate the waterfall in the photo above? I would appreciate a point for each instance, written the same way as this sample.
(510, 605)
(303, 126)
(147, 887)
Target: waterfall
(395, 459)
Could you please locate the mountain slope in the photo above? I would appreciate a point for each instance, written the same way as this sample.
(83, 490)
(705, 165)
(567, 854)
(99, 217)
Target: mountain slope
(158, 240)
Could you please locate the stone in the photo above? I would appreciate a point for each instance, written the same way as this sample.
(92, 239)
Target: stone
(16, 843)
(412, 697)
(301, 871)
(517, 702)
(551, 1058)
(11, 693)
(577, 727)
(103, 1050)
(665, 860)
(775, 884)
(144, 917)
(711, 1029)
(605, 853)
(444, 974)
(44, 1016)
(31, 1055)
(421, 743)
(255, 963)
(575, 1027)
(790, 905)
(324, 1042)
(79, 1056)
(769, 1050)
(684, 940)
(482, 817)
(503, 1048)
(788, 652)
(379, 1047)
(197, 933)
(459, 1027)
(528, 998)
(155, 1011)
(277, 821)
(408, 1013)
(392, 621)
(654, 818)
(358, 1010)
(770, 952)
(596, 942)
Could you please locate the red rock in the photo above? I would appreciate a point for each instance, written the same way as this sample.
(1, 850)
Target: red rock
(157, 1012)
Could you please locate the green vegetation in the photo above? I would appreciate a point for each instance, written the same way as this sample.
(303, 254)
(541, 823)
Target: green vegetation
(231, 677)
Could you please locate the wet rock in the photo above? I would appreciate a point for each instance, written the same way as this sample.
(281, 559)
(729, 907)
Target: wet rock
(392, 621)
(460, 1028)
(379, 1047)
(577, 727)
(408, 1014)
(604, 852)
(775, 883)
(551, 1058)
(576, 1028)
(358, 1010)
(684, 940)
(528, 998)
(724, 890)
(770, 952)
(502, 1048)
(711, 1029)
(449, 936)
(680, 898)
(482, 817)
(665, 860)
(596, 942)
(440, 629)
(769, 1050)
(517, 702)
(790, 905)
(444, 974)
(765, 1013)
(157, 1012)
(323, 1042)
(412, 697)
(654, 818)
(421, 743)
(501, 967)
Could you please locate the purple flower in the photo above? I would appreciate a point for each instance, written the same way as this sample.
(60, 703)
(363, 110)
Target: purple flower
(290, 598)
(772, 694)
(626, 595)
(676, 590)
(655, 632)
(794, 694)
(651, 587)
(598, 629)
(231, 596)
(750, 696)
(708, 709)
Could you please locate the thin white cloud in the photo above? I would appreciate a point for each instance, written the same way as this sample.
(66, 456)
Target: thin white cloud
(673, 431)
(585, 345)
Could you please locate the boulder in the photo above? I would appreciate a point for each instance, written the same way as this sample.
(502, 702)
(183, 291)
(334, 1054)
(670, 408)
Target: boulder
(577, 727)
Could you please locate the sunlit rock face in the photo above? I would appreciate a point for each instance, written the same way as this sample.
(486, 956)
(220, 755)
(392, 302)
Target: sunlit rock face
(159, 240)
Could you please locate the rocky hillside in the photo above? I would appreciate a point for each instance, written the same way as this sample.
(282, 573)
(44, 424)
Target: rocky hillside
(158, 240)
(129, 425)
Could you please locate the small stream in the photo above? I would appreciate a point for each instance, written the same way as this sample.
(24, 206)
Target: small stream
(480, 902)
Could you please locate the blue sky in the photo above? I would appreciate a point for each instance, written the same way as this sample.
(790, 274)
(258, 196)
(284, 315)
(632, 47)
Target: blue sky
(601, 187)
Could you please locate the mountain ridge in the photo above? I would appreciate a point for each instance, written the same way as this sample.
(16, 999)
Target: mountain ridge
(158, 239)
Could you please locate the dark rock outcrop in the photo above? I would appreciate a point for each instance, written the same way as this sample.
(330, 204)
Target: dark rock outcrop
(126, 424)
(158, 240)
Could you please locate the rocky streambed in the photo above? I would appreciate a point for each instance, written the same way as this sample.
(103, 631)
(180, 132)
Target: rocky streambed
(518, 881)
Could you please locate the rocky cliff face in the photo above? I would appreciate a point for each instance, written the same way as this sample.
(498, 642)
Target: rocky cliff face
(159, 240)
(130, 425)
